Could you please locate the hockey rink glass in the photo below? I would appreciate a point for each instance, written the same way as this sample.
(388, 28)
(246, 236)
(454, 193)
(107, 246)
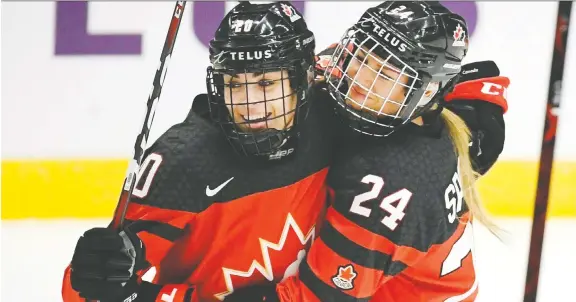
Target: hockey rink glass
(258, 103)
(370, 82)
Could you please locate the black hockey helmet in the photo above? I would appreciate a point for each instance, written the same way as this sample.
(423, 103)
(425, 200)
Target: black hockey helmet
(253, 42)
(418, 46)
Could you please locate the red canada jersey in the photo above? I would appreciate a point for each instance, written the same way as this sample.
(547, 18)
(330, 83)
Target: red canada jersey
(259, 237)
(398, 228)
(216, 221)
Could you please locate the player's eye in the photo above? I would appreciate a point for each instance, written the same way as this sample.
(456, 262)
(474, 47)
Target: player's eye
(390, 73)
(234, 85)
(265, 83)
(361, 54)
(360, 58)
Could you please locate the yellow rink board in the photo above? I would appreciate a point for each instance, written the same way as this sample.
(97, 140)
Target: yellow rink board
(90, 188)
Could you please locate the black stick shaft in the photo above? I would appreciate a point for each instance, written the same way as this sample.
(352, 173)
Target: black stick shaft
(142, 138)
(547, 152)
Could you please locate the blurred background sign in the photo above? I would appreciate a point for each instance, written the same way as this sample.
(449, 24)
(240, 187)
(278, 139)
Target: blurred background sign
(76, 76)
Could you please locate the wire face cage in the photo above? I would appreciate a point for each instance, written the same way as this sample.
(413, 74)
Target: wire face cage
(257, 107)
(373, 87)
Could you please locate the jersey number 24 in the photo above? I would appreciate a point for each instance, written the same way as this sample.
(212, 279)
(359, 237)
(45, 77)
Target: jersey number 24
(400, 198)
(461, 248)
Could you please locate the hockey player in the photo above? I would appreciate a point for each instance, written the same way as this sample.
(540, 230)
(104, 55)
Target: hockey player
(238, 241)
(399, 228)
(204, 214)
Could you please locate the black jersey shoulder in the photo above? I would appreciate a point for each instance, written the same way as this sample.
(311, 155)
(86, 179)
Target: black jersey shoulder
(196, 156)
(422, 164)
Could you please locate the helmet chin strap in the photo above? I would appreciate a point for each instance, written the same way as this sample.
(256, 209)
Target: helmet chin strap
(264, 145)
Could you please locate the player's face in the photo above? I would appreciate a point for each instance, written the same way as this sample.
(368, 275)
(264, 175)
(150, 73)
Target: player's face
(375, 86)
(260, 101)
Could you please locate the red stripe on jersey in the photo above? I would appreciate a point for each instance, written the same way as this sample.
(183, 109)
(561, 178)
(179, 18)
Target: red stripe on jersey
(372, 241)
(156, 245)
(341, 273)
(69, 294)
(175, 218)
(425, 281)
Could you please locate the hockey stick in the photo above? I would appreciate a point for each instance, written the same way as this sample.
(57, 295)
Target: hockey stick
(142, 138)
(547, 152)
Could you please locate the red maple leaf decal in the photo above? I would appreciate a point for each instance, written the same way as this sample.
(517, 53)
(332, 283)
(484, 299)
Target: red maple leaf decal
(347, 273)
(287, 10)
(458, 33)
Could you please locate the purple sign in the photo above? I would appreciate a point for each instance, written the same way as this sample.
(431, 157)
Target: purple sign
(72, 37)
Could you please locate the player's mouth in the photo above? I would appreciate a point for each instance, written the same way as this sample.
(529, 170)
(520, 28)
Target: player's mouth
(357, 91)
(358, 99)
(257, 120)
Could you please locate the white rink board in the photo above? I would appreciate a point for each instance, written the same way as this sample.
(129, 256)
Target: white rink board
(92, 105)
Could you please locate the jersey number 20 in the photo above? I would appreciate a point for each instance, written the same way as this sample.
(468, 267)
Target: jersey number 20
(400, 197)
(155, 160)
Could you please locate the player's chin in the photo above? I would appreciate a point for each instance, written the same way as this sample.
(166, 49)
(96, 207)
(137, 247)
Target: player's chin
(253, 127)
(357, 103)
(373, 107)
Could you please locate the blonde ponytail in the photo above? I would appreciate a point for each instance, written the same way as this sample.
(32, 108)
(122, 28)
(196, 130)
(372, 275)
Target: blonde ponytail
(460, 135)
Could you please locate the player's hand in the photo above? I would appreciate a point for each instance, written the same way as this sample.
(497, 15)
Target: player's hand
(479, 98)
(323, 59)
(255, 293)
(486, 123)
(105, 263)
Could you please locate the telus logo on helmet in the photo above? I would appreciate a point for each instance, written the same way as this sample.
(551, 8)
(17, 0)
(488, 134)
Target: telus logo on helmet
(251, 55)
(381, 32)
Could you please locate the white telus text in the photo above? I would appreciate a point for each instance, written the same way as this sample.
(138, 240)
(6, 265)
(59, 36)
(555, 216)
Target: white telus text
(251, 55)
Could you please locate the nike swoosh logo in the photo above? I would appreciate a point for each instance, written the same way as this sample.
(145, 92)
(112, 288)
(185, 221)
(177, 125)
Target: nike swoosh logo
(212, 192)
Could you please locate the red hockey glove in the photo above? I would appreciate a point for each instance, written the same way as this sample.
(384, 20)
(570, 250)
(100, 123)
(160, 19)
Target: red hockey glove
(481, 81)
(479, 98)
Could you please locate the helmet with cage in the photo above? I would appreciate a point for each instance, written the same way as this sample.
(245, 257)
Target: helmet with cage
(261, 69)
(395, 63)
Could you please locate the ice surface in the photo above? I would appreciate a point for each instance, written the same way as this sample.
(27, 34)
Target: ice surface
(35, 253)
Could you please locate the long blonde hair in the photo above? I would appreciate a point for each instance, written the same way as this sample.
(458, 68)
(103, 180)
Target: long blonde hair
(460, 136)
